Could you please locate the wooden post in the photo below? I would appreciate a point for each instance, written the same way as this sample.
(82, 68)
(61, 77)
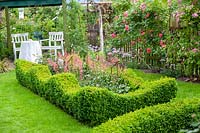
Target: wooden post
(101, 30)
(1, 15)
(66, 44)
(8, 28)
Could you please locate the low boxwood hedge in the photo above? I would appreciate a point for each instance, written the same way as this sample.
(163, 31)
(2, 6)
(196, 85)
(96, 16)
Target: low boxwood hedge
(131, 78)
(60, 87)
(91, 105)
(163, 118)
(22, 67)
(38, 77)
(94, 105)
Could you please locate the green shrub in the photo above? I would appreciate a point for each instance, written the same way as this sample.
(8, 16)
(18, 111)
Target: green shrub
(59, 88)
(22, 67)
(164, 118)
(131, 78)
(94, 105)
(38, 76)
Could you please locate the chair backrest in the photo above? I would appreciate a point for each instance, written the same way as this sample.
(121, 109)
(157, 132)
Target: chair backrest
(18, 38)
(56, 36)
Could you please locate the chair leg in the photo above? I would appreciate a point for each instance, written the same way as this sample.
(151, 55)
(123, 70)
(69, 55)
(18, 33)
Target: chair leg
(63, 51)
(55, 52)
(15, 54)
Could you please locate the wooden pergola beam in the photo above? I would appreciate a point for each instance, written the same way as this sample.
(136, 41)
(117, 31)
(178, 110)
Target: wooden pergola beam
(28, 3)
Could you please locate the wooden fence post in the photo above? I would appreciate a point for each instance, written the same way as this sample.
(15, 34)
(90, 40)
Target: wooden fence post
(66, 44)
(8, 29)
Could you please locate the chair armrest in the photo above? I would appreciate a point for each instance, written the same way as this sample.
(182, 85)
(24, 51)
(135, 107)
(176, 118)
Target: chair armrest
(43, 40)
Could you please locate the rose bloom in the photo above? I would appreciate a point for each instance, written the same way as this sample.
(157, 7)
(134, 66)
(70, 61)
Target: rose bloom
(160, 35)
(194, 50)
(126, 14)
(113, 35)
(116, 17)
(143, 6)
(148, 50)
(162, 44)
(147, 15)
(142, 33)
(126, 27)
(195, 15)
(132, 42)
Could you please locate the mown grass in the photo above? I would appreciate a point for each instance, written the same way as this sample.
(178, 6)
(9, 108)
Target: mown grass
(185, 89)
(23, 111)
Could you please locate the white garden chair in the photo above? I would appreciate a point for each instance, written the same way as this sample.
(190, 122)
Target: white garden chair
(56, 41)
(16, 40)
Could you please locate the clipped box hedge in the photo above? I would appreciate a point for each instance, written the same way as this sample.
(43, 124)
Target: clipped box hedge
(60, 88)
(55, 88)
(95, 106)
(22, 67)
(91, 105)
(132, 79)
(38, 76)
(163, 118)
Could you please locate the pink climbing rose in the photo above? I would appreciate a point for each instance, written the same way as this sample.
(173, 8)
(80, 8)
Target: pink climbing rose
(127, 27)
(113, 35)
(132, 42)
(162, 44)
(116, 17)
(160, 35)
(143, 6)
(142, 33)
(126, 14)
(148, 50)
(195, 15)
(147, 15)
(194, 50)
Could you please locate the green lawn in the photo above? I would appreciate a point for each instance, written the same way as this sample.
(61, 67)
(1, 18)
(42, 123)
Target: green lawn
(23, 111)
(185, 89)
